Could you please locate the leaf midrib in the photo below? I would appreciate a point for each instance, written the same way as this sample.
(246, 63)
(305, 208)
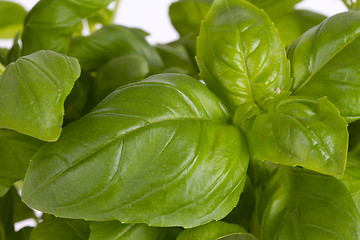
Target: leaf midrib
(122, 135)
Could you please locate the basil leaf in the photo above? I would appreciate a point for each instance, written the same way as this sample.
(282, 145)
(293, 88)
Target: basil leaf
(308, 19)
(177, 60)
(33, 91)
(240, 55)
(145, 154)
(324, 62)
(16, 151)
(11, 19)
(214, 231)
(50, 24)
(6, 216)
(115, 230)
(303, 132)
(116, 73)
(351, 178)
(60, 229)
(299, 204)
(77, 104)
(244, 210)
(110, 42)
(186, 16)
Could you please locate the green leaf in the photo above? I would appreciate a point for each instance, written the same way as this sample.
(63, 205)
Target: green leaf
(324, 62)
(20, 210)
(116, 73)
(351, 178)
(33, 91)
(299, 204)
(50, 24)
(215, 231)
(110, 42)
(77, 104)
(11, 19)
(300, 131)
(240, 55)
(186, 16)
(15, 51)
(61, 229)
(177, 59)
(115, 230)
(103, 16)
(16, 151)
(308, 19)
(145, 154)
(243, 212)
(354, 134)
(6, 215)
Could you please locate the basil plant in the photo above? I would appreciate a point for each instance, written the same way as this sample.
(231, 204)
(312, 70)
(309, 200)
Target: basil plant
(246, 127)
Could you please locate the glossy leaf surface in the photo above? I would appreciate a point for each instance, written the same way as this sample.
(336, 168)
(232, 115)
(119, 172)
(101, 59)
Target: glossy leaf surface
(115, 230)
(145, 154)
(33, 91)
(51, 23)
(11, 19)
(215, 231)
(61, 229)
(301, 132)
(324, 62)
(110, 42)
(240, 55)
(16, 151)
(299, 204)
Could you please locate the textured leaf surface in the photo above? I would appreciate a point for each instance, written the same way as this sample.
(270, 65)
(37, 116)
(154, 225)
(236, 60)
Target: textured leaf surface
(304, 205)
(214, 231)
(16, 150)
(33, 91)
(11, 19)
(145, 154)
(115, 230)
(61, 229)
(240, 55)
(324, 62)
(301, 132)
(50, 24)
(110, 42)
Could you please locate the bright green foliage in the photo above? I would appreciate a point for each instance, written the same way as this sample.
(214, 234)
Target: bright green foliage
(11, 19)
(116, 73)
(115, 230)
(111, 42)
(299, 204)
(215, 231)
(61, 229)
(300, 131)
(351, 178)
(155, 142)
(137, 150)
(49, 31)
(33, 91)
(16, 151)
(324, 62)
(240, 55)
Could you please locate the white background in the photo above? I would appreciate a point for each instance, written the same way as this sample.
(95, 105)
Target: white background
(152, 16)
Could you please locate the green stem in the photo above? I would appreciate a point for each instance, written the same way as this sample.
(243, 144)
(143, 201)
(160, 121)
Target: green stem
(117, 3)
